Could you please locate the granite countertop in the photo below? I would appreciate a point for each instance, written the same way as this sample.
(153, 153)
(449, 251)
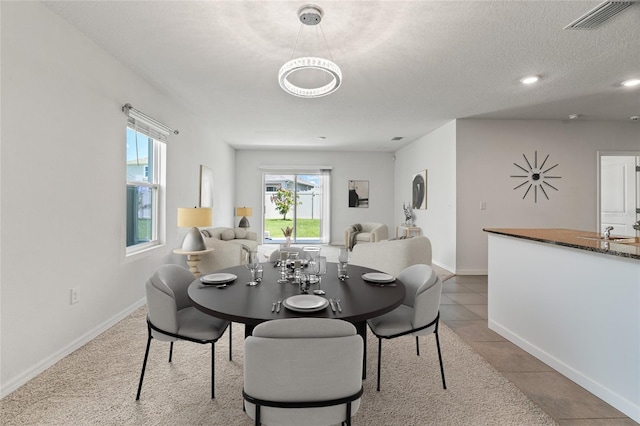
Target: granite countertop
(584, 240)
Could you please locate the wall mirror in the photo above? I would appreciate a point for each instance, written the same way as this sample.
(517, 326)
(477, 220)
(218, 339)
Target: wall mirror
(619, 191)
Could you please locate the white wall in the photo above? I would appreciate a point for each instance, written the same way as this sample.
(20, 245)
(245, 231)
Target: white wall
(377, 168)
(63, 188)
(435, 152)
(486, 151)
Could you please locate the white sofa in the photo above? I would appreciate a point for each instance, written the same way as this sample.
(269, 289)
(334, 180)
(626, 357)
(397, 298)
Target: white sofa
(392, 256)
(230, 248)
(368, 232)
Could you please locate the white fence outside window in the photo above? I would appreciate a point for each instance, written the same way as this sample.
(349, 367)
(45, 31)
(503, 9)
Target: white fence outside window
(308, 207)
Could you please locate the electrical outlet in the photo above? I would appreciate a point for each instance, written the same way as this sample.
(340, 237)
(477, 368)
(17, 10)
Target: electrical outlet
(75, 295)
(483, 205)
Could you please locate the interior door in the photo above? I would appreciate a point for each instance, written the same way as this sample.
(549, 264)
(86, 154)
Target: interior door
(618, 194)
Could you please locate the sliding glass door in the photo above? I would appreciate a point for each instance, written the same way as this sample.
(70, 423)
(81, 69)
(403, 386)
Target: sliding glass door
(295, 205)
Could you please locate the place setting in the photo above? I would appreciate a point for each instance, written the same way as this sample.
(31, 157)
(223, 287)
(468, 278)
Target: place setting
(379, 278)
(218, 280)
(305, 303)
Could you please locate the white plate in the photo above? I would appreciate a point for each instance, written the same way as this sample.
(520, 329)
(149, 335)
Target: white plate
(378, 277)
(305, 303)
(220, 278)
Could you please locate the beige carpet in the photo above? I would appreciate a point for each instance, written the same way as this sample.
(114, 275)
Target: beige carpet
(96, 385)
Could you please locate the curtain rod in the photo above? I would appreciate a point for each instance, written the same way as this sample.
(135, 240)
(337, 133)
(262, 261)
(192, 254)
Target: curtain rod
(139, 115)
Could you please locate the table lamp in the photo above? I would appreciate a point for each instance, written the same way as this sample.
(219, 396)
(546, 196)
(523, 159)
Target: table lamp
(244, 212)
(194, 217)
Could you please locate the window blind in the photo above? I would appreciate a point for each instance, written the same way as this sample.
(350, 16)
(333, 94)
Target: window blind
(146, 124)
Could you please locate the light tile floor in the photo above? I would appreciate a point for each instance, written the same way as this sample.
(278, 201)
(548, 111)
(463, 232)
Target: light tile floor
(464, 309)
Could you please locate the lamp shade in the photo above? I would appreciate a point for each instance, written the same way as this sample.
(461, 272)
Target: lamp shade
(188, 217)
(244, 211)
(192, 218)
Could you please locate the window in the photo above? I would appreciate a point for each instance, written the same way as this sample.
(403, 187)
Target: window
(298, 199)
(144, 209)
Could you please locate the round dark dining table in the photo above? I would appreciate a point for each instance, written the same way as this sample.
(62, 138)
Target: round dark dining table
(252, 305)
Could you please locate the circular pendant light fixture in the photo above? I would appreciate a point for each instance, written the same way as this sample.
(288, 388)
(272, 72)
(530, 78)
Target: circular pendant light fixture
(310, 15)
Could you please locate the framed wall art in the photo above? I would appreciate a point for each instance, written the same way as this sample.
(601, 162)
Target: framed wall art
(359, 193)
(419, 190)
(206, 187)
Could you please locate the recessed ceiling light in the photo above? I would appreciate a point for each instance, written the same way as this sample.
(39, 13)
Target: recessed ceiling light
(631, 83)
(397, 138)
(530, 79)
(322, 137)
(574, 116)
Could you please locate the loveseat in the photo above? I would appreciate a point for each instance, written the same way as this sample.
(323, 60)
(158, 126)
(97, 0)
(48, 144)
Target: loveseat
(392, 256)
(367, 232)
(230, 248)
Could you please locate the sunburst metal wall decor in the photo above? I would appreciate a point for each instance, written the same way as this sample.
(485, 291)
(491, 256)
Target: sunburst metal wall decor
(535, 177)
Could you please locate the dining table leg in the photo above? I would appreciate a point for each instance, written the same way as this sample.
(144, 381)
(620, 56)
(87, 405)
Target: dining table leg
(361, 328)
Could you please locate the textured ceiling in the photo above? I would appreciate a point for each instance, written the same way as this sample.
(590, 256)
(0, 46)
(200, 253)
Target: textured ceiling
(408, 67)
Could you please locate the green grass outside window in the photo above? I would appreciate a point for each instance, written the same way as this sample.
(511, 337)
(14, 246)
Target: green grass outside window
(307, 228)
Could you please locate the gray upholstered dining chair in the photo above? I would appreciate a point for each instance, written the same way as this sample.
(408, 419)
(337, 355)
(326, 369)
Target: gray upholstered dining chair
(303, 371)
(171, 317)
(419, 314)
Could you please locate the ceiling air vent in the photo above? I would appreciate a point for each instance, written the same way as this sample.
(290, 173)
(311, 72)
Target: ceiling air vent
(597, 16)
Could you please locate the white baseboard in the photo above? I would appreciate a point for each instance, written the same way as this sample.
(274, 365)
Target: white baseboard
(29, 374)
(472, 272)
(443, 265)
(459, 271)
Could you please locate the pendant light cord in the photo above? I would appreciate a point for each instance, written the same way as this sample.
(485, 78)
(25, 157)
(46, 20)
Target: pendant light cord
(297, 40)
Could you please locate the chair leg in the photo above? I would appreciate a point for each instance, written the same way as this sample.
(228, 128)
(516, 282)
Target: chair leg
(171, 352)
(230, 358)
(144, 366)
(444, 384)
(379, 359)
(348, 413)
(213, 369)
(417, 346)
